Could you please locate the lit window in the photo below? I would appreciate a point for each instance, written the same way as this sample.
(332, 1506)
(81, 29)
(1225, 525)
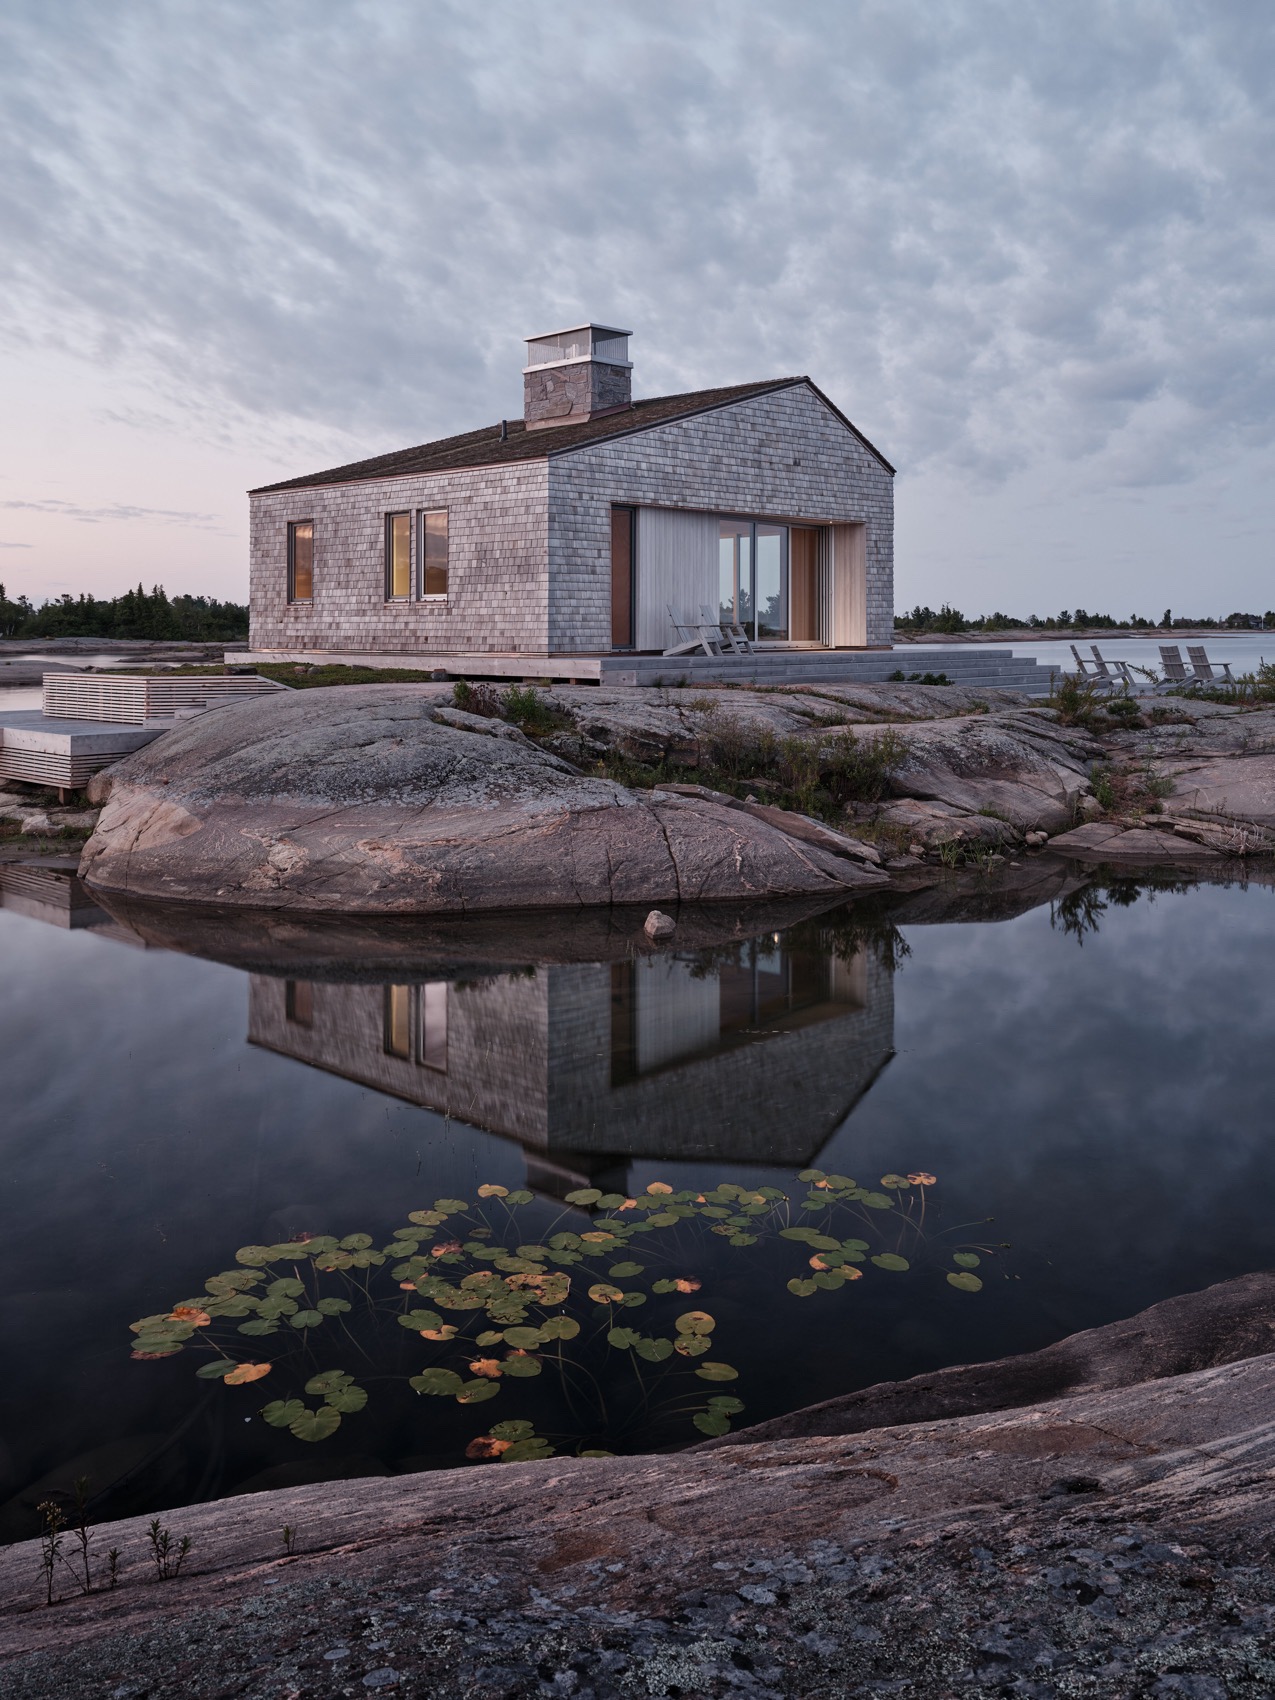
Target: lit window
(434, 552)
(434, 1025)
(398, 557)
(301, 561)
(398, 1021)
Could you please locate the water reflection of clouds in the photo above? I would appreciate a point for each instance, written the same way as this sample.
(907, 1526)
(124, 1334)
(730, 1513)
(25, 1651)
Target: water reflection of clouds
(1113, 1099)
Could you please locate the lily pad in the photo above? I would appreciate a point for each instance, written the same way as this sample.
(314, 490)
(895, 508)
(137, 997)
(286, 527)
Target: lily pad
(560, 1328)
(333, 1307)
(624, 1339)
(654, 1351)
(418, 1319)
(584, 1195)
(966, 1259)
(522, 1196)
(216, 1370)
(521, 1367)
(965, 1281)
(306, 1319)
(347, 1399)
(328, 1380)
(622, 1271)
(802, 1289)
(717, 1372)
(891, 1260)
(524, 1338)
(445, 1383)
(516, 1428)
(282, 1413)
(316, 1425)
(474, 1392)
(525, 1451)
(695, 1322)
(711, 1422)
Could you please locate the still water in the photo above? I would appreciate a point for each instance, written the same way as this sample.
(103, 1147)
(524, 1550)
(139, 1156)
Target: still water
(1084, 1070)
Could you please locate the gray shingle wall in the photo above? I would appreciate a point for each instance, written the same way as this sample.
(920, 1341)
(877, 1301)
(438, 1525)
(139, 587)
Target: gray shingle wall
(498, 589)
(783, 454)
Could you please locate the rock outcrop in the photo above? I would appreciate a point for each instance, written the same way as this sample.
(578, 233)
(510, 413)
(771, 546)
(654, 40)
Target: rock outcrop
(380, 799)
(1115, 1541)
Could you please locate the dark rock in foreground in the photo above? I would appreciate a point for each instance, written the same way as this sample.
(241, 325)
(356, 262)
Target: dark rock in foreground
(1108, 1544)
(377, 799)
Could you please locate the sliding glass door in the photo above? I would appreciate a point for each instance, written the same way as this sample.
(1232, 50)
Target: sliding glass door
(753, 578)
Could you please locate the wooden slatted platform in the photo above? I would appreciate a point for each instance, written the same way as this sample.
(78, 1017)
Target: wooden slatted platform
(139, 699)
(65, 753)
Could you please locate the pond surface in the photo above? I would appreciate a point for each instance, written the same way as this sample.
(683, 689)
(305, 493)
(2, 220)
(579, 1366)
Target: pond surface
(1086, 1078)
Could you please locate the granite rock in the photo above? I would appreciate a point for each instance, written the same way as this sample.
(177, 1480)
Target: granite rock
(367, 800)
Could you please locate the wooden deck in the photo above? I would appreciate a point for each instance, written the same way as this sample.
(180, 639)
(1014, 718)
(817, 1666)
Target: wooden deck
(968, 664)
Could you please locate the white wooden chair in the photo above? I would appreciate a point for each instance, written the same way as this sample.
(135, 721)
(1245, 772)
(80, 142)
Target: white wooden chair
(693, 635)
(1175, 672)
(1203, 667)
(733, 634)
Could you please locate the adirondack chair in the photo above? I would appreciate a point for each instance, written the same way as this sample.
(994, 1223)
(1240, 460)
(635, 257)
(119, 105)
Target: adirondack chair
(1085, 669)
(693, 635)
(733, 634)
(1113, 674)
(1203, 667)
(1125, 672)
(1175, 672)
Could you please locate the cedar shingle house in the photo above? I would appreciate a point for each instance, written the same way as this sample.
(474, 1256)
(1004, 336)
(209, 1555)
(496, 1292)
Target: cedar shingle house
(573, 530)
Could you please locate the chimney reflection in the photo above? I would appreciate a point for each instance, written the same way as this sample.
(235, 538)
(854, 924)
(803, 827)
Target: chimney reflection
(753, 1054)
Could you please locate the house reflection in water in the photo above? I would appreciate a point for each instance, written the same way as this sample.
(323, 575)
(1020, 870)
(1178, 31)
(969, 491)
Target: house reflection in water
(755, 1055)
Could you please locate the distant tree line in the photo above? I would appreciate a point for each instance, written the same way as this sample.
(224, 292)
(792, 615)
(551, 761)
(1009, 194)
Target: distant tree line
(136, 614)
(949, 619)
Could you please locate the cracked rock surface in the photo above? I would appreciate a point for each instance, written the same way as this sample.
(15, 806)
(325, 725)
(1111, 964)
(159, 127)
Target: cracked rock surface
(378, 798)
(1113, 1543)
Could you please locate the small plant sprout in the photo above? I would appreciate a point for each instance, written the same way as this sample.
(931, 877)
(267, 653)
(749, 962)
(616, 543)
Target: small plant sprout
(593, 1320)
(52, 1522)
(113, 1567)
(289, 1539)
(83, 1537)
(168, 1556)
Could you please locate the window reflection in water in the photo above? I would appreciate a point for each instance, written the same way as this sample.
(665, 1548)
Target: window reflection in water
(756, 1052)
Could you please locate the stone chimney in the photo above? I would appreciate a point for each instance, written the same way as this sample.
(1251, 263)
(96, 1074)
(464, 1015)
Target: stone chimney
(576, 374)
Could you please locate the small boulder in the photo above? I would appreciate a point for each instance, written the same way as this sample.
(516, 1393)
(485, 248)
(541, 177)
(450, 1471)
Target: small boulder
(659, 925)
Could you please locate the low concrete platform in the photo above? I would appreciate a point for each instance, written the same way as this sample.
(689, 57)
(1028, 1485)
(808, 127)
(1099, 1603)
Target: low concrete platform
(967, 664)
(41, 750)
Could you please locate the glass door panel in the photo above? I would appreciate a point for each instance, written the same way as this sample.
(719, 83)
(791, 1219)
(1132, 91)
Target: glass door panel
(771, 588)
(735, 572)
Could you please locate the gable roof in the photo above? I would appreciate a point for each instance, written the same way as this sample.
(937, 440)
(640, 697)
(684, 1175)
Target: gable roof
(488, 448)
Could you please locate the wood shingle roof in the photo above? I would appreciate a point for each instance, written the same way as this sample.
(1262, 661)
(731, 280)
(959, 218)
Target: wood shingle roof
(512, 441)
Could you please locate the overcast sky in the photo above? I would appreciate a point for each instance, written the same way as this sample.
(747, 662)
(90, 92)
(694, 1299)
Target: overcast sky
(1027, 247)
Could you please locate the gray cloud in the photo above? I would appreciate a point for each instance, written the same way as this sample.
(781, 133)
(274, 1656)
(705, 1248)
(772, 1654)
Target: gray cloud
(4, 545)
(115, 511)
(997, 234)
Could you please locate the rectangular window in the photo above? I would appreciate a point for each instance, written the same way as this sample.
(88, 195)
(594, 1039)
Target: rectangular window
(301, 561)
(434, 1025)
(299, 1003)
(434, 552)
(398, 557)
(398, 1021)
